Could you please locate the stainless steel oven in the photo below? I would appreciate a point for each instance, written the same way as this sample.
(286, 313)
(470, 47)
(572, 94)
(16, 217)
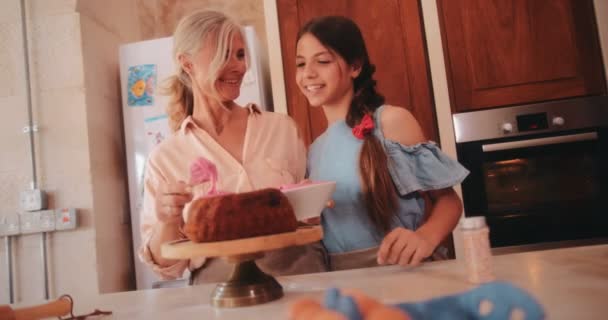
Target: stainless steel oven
(539, 173)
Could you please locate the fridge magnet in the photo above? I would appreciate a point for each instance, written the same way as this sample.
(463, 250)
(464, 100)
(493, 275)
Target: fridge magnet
(141, 85)
(157, 129)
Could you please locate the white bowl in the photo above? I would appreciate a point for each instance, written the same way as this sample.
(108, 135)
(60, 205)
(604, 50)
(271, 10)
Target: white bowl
(309, 200)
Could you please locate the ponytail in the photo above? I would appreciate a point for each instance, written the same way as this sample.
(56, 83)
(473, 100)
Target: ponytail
(181, 103)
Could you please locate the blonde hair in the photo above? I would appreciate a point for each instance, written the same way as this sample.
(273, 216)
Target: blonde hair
(190, 33)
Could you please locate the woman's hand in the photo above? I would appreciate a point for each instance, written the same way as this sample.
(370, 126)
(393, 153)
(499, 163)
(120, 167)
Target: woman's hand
(170, 202)
(404, 247)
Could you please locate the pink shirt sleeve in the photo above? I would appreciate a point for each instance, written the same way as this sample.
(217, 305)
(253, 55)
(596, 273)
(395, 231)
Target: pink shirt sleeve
(148, 220)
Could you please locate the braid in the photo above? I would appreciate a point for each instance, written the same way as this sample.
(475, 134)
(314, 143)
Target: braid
(377, 189)
(366, 99)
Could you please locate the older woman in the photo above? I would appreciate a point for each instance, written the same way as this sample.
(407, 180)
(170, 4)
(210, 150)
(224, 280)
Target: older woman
(251, 149)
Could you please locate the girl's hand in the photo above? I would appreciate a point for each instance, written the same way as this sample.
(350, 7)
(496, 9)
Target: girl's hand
(404, 247)
(170, 202)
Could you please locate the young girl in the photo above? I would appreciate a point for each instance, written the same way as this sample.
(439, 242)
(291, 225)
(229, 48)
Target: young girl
(376, 153)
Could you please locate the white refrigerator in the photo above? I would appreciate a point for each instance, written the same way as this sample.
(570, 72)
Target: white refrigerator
(143, 68)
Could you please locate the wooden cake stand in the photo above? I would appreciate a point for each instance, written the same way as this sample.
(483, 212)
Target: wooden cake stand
(247, 284)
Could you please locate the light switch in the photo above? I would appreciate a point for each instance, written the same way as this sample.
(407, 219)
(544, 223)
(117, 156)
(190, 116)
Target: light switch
(9, 225)
(65, 219)
(33, 200)
(37, 221)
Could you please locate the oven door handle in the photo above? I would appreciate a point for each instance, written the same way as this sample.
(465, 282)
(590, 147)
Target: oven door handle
(539, 142)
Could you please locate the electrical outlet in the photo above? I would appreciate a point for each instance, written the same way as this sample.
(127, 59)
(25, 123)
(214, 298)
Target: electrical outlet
(65, 219)
(26, 222)
(46, 220)
(37, 221)
(9, 225)
(33, 200)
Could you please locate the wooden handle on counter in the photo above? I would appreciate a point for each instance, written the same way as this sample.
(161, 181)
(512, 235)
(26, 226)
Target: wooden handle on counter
(6, 313)
(56, 308)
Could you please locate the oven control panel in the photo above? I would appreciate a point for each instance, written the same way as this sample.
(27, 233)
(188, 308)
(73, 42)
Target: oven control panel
(532, 122)
(551, 116)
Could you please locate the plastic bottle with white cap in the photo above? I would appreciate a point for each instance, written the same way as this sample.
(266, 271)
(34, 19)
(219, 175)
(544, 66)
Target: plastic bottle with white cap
(477, 254)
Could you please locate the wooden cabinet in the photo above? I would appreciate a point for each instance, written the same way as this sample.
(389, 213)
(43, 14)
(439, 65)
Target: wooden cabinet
(394, 37)
(505, 52)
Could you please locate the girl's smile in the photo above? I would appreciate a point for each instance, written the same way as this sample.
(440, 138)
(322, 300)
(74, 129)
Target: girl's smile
(322, 76)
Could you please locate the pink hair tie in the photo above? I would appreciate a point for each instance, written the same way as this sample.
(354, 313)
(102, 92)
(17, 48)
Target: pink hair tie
(365, 127)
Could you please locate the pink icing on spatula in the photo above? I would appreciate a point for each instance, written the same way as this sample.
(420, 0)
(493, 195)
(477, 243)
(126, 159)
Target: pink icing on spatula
(203, 170)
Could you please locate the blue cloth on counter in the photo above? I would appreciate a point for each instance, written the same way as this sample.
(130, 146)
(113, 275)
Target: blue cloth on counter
(504, 299)
(334, 156)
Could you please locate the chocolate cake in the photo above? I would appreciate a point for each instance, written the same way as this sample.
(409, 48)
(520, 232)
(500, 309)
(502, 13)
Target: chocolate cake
(242, 215)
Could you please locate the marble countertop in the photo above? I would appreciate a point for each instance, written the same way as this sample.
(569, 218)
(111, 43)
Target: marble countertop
(570, 284)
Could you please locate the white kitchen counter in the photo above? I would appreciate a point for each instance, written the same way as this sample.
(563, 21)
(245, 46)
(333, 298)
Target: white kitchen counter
(570, 284)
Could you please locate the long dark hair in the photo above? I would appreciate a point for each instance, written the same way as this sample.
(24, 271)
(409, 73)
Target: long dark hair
(342, 36)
